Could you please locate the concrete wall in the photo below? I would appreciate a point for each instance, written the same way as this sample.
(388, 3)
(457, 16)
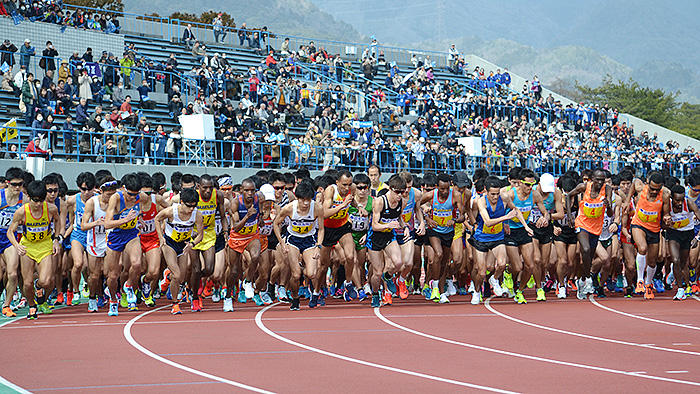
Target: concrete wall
(65, 43)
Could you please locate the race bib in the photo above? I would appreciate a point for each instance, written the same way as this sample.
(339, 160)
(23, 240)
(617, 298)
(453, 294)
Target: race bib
(340, 214)
(147, 226)
(592, 210)
(647, 216)
(406, 216)
(442, 216)
(301, 229)
(130, 224)
(5, 220)
(249, 228)
(526, 214)
(100, 230)
(495, 229)
(266, 230)
(359, 223)
(181, 236)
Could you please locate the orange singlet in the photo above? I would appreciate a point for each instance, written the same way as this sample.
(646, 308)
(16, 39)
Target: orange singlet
(648, 213)
(590, 211)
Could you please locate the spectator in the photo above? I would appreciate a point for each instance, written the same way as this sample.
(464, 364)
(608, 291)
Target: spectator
(29, 98)
(48, 61)
(7, 53)
(218, 26)
(68, 135)
(118, 94)
(109, 151)
(33, 149)
(84, 88)
(81, 112)
(284, 49)
(127, 63)
(87, 56)
(188, 36)
(199, 52)
(173, 146)
(146, 102)
(26, 51)
(243, 35)
(127, 113)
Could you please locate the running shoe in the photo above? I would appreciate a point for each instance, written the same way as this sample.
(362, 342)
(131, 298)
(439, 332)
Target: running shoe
(352, 292)
(658, 285)
(346, 295)
(7, 312)
(32, 315)
(165, 283)
(531, 282)
(44, 309)
(695, 288)
(146, 290)
(390, 285)
(339, 292)
(476, 298)
(520, 298)
(471, 288)
(249, 291)
(375, 301)
(168, 294)
(258, 301)
(600, 292)
(266, 299)
(451, 289)
(426, 292)
(313, 302)
(241, 297)
(403, 290)
(580, 291)
(670, 278)
(562, 292)
(548, 285)
(100, 302)
(649, 293)
(85, 292)
(367, 288)
(228, 304)
(113, 309)
(122, 300)
(680, 295)
(435, 294)
(610, 285)
(460, 290)
(620, 283)
(131, 307)
(496, 287)
(304, 292)
(444, 298)
(216, 295)
(361, 295)
(175, 310)
(69, 298)
(196, 305)
(541, 295)
(628, 292)
(149, 301)
(20, 304)
(294, 305)
(508, 280)
(92, 305)
(640, 287)
(208, 289)
(386, 298)
(321, 299)
(59, 299)
(588, 288)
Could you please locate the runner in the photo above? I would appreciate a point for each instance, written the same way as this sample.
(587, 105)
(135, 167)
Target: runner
(11, 199)
(626, 215)
(267, 207)
(360, 213)
(122, 219)
(218, 277)
(284, 185)
(306, 232)
(76, 207)
(376, 185)
(543, 237)
(150, 245)
(176, 237)
(565, 240)
(93, 222)
(680, 234)
(463, 186)
(37, 246)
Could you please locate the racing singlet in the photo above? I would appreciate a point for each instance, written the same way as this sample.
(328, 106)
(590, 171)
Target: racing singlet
(484, 233)
(341, 217)
(208, 210)
(250, 227)
(407, 213)
(179, 229)
(591, 211)
(7, 211)
(97, 236)
(524, 206)
(442, 212)
(147, 224)
(683, 220)
(549, 206)
(648, 213)
(124, 212)
(79, 211)
(389, 214)
(358, 223)
(37, 233)
(302, 225)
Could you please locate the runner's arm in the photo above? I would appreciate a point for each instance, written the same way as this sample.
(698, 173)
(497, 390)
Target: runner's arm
(235, 219)
(283, 214)
(17, 219)
(608, 202)
(694, 207)
(580, 188)
(328, 201)
(167, 213)
(86, 224)
(488, 221)
(558, 206)
(321, 229)
(198, 223)
(221, 206)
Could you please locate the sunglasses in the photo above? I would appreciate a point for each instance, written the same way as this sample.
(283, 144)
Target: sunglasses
(191, 205)
(290, 188)
(148, 193)
(399, 191)
(362, 187)
(528, 183)
(52, 190)
(279, 187)
(133, 194)
(17, 184)
(37, 199)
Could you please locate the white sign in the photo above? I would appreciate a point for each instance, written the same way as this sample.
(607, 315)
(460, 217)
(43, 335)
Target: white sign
(472, 145)
(197, 127)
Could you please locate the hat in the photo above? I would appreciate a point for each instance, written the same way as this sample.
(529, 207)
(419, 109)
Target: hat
(460, 179)
(225, 182)
(268, 192)
(7, 42)
(547, 183)
(27, 41)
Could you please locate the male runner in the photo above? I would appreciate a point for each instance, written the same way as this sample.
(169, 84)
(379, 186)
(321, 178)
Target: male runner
(150, 245)
(11, 199)
(543, 237)
(410, 214)
(360, 218)
(374, 174)
(680, 235)
(244, 236)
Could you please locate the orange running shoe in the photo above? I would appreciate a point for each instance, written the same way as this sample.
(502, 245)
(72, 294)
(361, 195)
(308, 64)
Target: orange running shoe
(640, 288)
(166, 281)
(696, 288)
(7, 312)
(386, 299)
(208, 289)
(59, 299)
(572, 285)
(69, 298)
(403, 290)
(176, 310)
(649, 294)
(197, 305)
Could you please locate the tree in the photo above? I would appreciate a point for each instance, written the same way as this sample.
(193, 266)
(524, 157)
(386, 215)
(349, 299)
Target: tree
(205, 18)
(112, 5)
(687, 120)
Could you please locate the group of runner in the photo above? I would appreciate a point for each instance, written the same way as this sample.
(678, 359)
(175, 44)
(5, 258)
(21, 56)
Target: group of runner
(283, 236)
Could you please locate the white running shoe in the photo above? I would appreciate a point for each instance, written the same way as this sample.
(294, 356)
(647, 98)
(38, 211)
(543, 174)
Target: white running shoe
(680, 295)
(451, 289)
(581, 289)
(249, 292)
(496, 287)
(471, 287)
(589, 286)
(444, 299)
(216, 295)
(476, 298)
(367, 289)
(562, 292)
(228, 304)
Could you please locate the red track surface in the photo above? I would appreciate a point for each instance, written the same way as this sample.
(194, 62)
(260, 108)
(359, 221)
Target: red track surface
(568, 345)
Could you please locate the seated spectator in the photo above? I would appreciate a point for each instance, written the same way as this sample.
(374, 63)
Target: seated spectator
(188, 36)
(199, 52)
(127, 113)
(33, 149)
(68, 135)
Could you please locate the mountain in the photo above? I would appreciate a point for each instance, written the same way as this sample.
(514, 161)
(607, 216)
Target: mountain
(294, 17)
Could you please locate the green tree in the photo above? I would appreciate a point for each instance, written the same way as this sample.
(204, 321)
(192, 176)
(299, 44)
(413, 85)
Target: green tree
(687, 120)
(206, 17)
(112, 5)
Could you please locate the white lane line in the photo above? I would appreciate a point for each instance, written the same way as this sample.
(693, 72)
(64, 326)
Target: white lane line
(676, 371)
(681, 344)
(529, 357)
(5, 382)
(261, 325)
(668, 323)
(593, 337)
(696, 297)
(132, 342)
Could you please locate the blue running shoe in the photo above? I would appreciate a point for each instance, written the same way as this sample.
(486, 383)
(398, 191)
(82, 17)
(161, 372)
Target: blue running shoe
(610, 285)
(346, 295)
(375, 301)
(427, 292)
(361, 295)
(659, 285)
(332, 290)
(168, 294)
(100, 302)
(322, 300)
(258, 301)
(390, 285)
(113, 309)
(241, 297)
(304, 292)
(351, 290)
(313, 302)
(462, 291)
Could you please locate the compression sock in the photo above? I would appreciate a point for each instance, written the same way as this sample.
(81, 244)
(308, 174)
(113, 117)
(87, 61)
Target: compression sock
(650, 275)
(64, 285)
(641, 266)
(659, 274)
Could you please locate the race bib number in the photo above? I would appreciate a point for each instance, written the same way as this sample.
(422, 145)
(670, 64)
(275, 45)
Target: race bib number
(218, 226)
(359, 223)
(181, 236)
(5, 220)
(129, 225)
(526, 214)
(340, 214)
(592, 210)
(495, 229)
(208, 220)
(647, 216)
(37, 236)
(441, 217)
(147, 227)
(406, 216)
(680, 221)
(100, 230)
(249, 228)
(266, 230)
(300, 228)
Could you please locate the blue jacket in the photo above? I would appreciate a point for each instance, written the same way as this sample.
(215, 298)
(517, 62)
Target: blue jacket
(505, 79)
(81, 115)
(25, 54)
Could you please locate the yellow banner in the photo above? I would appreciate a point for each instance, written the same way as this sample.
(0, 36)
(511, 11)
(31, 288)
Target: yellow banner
(8, 131)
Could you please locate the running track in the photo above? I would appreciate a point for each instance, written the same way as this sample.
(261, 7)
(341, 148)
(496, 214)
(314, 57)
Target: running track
(608, 345)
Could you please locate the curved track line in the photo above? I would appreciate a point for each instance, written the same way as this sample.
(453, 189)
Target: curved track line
(529, 357)
(261, 325)
(132, 342)
(696, 297)
(593, 337)
(596, 303)
(5, 382)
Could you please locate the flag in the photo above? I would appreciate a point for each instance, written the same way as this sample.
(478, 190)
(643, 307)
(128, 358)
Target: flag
(8, 131)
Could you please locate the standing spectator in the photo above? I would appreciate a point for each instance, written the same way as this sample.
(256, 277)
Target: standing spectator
(188, 36)
(146, 102)
(453, 54)
(243, 35)
(127, 63)
(68, 135)
(284, 50)
(29, 97)
(26, 51)
(87, 56)
(48, 61)
(111, 70)
(84, 89)
(218, 26)
(253, 83)
(505, 78)
(7, 53)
